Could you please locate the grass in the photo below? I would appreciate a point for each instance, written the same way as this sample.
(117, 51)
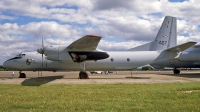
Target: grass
(101, 97)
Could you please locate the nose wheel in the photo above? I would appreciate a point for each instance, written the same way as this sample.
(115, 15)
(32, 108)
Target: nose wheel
(176, 71)
(22, 75)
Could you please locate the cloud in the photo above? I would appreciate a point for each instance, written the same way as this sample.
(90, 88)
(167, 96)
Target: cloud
(46, 29)
(3, 17)
(8, 28)
(8, 39)
(39, 29)
(182, 39)
(41, 8)
(141, 6)
(113, 46)
(188, 9)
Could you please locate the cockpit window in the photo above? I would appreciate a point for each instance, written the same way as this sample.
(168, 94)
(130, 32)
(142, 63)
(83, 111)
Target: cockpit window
(19, 56)
(14, 58)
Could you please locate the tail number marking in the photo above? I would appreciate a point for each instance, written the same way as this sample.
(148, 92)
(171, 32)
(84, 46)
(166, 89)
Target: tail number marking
(163, 42)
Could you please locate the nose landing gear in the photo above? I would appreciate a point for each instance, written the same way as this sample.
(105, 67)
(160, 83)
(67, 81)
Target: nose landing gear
(176, 71)
(22, 75)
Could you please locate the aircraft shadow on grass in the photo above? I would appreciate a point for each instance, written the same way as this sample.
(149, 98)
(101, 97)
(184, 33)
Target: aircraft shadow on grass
(40, 80)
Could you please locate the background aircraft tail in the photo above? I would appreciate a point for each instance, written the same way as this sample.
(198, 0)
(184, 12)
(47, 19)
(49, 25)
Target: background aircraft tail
(166, 37)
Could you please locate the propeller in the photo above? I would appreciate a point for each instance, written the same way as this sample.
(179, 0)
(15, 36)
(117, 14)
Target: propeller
(41, 51)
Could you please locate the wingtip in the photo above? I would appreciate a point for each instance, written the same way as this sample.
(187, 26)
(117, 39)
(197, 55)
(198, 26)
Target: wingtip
(192, 42)
(93, 36)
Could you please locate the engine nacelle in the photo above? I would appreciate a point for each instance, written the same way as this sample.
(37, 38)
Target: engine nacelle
(189, 57)
(53, 57)
(51, 50)
(54, 52)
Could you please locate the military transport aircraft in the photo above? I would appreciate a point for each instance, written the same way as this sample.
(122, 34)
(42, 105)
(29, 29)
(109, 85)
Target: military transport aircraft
(189, 58)
(82, 55)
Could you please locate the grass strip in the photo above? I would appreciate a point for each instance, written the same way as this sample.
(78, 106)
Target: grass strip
(101, 97)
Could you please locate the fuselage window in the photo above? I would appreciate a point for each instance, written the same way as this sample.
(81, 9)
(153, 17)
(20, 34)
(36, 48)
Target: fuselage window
(128, 59)
(21, 55)
(28, 61)
(112, 59)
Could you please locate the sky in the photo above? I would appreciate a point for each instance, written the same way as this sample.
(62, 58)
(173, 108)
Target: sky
(123, 24)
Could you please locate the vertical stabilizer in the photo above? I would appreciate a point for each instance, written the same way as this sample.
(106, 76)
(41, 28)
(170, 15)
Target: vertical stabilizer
(173, 34)
(166, 37)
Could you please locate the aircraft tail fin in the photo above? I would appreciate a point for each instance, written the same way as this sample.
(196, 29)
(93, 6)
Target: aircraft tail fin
(166, 37)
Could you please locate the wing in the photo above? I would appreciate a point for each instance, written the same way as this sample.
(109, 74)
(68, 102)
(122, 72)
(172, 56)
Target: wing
(86, 43)
(84, 49)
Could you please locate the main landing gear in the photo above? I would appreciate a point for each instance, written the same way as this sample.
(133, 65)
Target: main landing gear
(176, 71)
(22, 75)
(83, 74)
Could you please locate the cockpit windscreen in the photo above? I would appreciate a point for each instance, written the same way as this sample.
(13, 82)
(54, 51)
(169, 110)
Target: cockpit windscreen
(19, 56)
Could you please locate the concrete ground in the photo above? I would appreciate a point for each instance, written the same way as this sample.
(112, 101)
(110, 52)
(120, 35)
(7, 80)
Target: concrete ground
(122, 77)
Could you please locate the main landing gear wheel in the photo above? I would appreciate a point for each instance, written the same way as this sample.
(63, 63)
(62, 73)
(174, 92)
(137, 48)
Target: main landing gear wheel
(83, 75)
(176, 71)
(22, 75)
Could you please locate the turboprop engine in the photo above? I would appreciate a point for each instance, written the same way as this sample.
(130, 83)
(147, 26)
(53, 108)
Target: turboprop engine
(52, 52)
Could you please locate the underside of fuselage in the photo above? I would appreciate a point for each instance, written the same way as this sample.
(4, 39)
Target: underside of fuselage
(178, 64)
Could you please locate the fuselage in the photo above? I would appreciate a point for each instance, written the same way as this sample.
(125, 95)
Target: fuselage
(123, 60)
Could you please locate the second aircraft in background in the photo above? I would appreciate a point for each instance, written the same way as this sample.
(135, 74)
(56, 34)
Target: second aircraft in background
(189, 58)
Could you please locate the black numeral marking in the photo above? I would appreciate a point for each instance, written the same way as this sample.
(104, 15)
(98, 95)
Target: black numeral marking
(163, 42)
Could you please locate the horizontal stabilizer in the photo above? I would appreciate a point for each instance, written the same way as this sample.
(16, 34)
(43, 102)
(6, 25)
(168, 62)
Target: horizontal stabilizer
(145, 47)
(181, 47)
(88, 42)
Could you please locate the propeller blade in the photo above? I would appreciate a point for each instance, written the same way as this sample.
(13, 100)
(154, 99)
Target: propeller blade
(41, 50)
(42, 61)
(42, 44)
